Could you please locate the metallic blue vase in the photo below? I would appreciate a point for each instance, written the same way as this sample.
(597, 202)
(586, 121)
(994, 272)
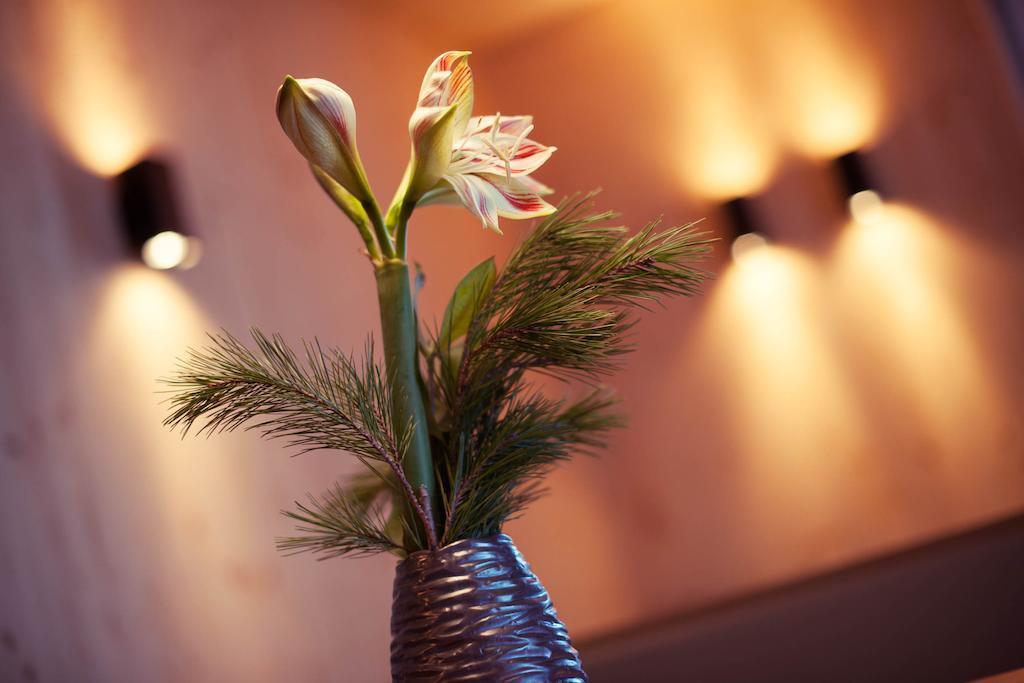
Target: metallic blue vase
(473, 611)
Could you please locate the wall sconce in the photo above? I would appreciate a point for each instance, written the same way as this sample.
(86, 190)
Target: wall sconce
(746, 238)
(862, 200)
(150, 217)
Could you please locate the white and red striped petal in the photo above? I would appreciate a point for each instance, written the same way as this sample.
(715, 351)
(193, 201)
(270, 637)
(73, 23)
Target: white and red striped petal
(483, 162)
(441, 115)
(441, 194)
(490, 197)
(527, 158)
(507, 125)
(535, 186)
(504, 156)
(448, 81)
(335, 104)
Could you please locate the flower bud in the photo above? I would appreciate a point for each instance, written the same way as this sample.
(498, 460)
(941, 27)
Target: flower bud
(320, 120)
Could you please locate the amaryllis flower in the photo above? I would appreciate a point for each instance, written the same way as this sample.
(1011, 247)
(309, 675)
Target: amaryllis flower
(320, 119)
(482, 162)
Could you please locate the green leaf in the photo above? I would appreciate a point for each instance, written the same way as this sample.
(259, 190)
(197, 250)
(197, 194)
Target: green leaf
(464, 303)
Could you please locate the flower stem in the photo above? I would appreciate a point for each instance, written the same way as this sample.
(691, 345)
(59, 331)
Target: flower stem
(401, 227)
(387, 247)
(398, 328)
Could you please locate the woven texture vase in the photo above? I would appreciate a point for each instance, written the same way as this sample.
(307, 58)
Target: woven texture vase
(473, 611)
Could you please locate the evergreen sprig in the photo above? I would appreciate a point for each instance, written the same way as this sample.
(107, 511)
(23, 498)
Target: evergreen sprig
(502, 473)
(327, 402)
(558, 303)
(561, 306)
(342, 521)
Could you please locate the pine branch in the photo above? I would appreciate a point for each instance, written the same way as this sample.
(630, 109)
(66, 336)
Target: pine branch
(327, 403)
(350, 522)
(558, 303)
(561, 306)
(561, 303)
(509, 460)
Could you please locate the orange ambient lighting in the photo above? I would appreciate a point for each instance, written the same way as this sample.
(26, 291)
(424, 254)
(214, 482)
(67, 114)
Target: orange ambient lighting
(94, 100)
(723, 145)
(895, 283)
(794, 419)
(180, 505)
(825, 92)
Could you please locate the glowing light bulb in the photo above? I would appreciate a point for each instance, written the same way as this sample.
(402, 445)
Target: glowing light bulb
(747, 243)
(866, 207)
(168, 249)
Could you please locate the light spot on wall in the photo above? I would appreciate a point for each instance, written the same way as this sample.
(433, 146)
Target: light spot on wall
(720, 145)
(825, 93)
(184, 502)
(723, 149)
(895, 279)
(746, 245)
(743, 95)
(92, 92)
(793, 417)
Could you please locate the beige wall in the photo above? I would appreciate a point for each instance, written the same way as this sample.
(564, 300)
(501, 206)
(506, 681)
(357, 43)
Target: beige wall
(847, 393)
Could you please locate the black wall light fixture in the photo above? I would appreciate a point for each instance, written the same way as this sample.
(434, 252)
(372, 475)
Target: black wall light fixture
(152, 221)
(862, 198)
(745, 236)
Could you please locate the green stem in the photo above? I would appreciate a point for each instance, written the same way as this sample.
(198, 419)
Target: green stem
(401, 227)
(371, 244)
(398, 328)
(387, 247)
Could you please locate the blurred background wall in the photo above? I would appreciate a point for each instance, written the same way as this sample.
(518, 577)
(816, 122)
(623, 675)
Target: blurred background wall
(847, 392)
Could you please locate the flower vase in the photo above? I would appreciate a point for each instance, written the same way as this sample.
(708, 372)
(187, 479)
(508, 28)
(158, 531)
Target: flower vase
(474, 611)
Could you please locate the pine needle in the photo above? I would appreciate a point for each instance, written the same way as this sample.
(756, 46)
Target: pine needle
(561, 306)
(326, 403)
(340, 522)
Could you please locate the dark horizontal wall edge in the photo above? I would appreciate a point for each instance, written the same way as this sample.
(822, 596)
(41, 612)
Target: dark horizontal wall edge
(937, 598)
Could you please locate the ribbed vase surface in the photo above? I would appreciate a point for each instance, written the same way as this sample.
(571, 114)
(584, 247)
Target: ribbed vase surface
(474, 611)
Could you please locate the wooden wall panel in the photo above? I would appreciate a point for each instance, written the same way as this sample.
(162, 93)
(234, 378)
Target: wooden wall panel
(862, 397)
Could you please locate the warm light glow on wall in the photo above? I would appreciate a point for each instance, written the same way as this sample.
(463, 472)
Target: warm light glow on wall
(93, 93)
(831, 117)
(721, 162)
(144, 321)
(820, 356)
(895, 278)
(825, 93)
(186, 505)
(743, 93)
(794, 420)
(722, 146)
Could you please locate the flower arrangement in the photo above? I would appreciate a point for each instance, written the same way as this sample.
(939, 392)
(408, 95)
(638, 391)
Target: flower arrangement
(454, 435)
